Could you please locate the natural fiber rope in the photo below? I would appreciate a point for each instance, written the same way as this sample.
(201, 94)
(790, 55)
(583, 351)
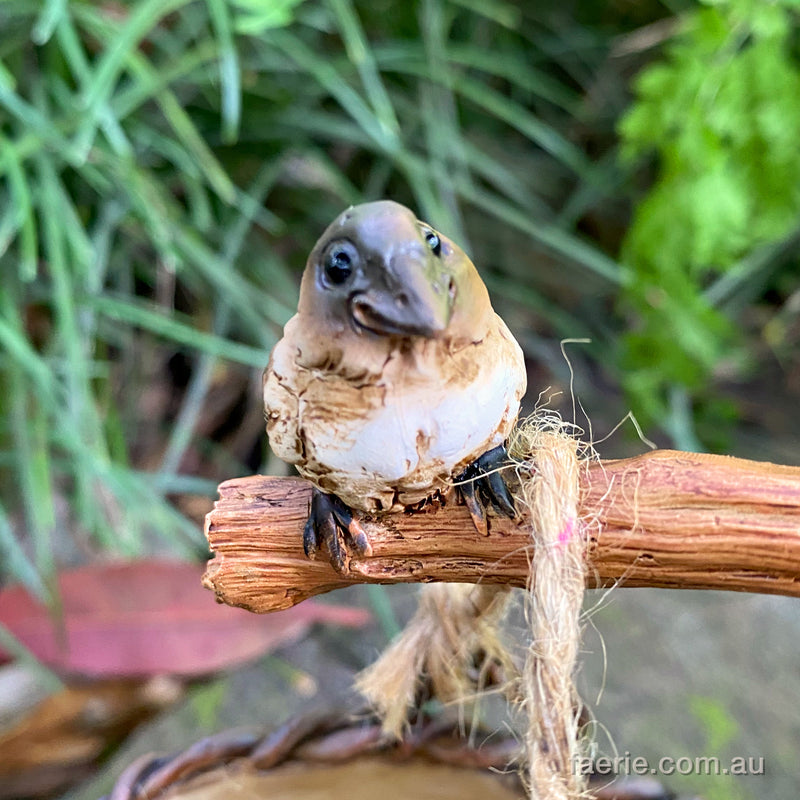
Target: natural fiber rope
(555, 587)
(457, 622)
(454, 624)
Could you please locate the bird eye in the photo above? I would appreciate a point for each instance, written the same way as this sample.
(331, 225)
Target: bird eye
(338, 266)
(434, 242)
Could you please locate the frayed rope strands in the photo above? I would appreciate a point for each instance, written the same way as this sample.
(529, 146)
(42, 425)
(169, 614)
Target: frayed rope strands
(457, 623)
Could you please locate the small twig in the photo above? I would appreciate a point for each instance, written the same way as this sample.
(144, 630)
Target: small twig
(665, 519)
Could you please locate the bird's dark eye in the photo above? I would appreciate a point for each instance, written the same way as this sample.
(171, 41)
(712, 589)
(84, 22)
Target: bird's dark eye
(434, 242)
(338, 266)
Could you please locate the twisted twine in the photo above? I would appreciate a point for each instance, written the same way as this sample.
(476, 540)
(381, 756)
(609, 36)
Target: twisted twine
(457, 626)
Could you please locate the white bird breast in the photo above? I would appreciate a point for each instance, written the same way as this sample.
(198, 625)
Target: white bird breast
(416, 440)
(393, 441)
(414, 430)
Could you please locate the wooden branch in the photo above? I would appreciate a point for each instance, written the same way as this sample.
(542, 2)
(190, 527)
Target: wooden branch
(666, 519)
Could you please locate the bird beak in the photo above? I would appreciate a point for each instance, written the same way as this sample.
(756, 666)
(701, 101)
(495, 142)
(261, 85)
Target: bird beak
(419, 308)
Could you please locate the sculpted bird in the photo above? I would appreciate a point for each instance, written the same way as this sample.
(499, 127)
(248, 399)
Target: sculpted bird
(394, 380)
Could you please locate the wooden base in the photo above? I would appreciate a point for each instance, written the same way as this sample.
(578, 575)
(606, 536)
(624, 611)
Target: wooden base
(665, 519)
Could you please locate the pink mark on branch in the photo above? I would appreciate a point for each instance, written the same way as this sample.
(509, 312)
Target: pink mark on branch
(568, 532)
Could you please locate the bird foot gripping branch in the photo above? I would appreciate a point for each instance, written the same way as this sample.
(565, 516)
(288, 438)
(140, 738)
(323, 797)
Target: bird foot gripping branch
(335, 526)
(327, 519)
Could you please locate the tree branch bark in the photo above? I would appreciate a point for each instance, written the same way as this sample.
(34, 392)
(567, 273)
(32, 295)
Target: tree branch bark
(665, 519)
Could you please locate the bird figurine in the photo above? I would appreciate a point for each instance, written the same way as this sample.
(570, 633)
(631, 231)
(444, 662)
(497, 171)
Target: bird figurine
(394, 381)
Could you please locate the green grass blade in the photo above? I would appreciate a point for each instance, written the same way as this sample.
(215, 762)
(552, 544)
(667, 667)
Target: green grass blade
(326, 74)
(562, 323)
(506, 14)
(42, 132)
(256, 307)
(151, 82)
(748, 270)
(177, 330)
(186, 421)
(504, 179)
(170, 483)
(52, 13)
(187, 133)
(519, 118)
(679, 422)
(440, 118)
(230, 84)
(19, 349)
(360, 54)
(79, 411)
(32, 473)
(143, 16)
(23, 205)
(76, 58)
(16, 562)
(408, 56)
(566, 245)
(378, 597)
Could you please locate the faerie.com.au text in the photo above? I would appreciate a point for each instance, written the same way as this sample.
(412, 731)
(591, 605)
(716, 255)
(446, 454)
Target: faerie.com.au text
(627, 764)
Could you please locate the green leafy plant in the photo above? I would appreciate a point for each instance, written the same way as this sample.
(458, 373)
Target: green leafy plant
(720, 110)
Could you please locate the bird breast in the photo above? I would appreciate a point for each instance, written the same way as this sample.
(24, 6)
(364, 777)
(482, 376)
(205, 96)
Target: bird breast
(392, 439)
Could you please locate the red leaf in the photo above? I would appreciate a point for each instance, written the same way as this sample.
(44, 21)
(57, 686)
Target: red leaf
(151, 617)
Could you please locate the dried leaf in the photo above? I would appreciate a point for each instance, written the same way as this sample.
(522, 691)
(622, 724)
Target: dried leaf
(63, 738)
(151, 617)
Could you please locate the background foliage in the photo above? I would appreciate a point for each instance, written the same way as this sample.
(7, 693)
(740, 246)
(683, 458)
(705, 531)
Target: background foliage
(166, 165)
(720, 110)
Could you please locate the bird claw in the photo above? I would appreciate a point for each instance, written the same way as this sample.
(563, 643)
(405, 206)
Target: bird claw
(327, 519)
(481, 484)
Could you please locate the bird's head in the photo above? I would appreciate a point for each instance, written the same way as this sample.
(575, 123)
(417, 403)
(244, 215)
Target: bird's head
(378, 271)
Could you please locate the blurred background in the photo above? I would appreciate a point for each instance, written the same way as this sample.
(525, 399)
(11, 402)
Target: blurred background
(626, 173)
